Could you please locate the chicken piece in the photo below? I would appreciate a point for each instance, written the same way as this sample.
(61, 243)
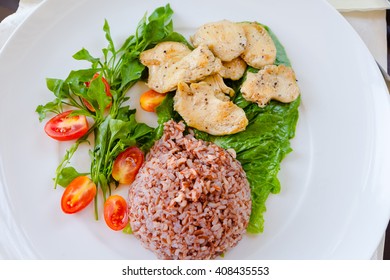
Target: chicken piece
(272, 82)
(234, 69)
(224, 38)
(171, 62)
(260, 49)
(165, 51)
(204, 106)
(219, 87)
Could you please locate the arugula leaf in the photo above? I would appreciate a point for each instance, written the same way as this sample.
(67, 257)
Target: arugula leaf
(67, 175)
(131, 70)
(97, 97)
(50, 107)
(162, 14)
(78, 78)
(58, 87)
(127, 229)
(65, 161)
(107, 31)
(160, 25)
(84, 54)
(165, 112)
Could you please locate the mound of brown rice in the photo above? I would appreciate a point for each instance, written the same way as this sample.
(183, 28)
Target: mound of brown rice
(190, 199)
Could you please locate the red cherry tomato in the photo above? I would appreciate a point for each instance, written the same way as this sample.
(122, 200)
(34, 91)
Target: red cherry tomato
(78, 194)
(127, 164)
(64, 127)
(107, 89)
(150, 99)
(115, 212)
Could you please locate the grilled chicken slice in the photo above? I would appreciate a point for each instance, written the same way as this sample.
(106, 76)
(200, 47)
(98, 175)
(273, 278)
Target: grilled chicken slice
(260, 49)
(205, 106)
(272, 82)
(234, 69)
(219, 87)
(224, 38)
(163, 52)
(171, 62)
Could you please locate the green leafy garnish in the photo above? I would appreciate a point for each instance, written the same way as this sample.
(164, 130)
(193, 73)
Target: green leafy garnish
(67, 175)
(115, 129)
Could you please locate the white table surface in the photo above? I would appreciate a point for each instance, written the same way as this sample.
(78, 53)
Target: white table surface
(367, 17)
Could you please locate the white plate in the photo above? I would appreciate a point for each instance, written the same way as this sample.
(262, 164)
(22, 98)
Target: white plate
(335, 197)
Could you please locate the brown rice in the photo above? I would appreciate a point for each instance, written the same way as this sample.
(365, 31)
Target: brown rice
(190, 199)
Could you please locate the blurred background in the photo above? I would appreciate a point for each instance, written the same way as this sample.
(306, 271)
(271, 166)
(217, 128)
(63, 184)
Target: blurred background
(7, 7)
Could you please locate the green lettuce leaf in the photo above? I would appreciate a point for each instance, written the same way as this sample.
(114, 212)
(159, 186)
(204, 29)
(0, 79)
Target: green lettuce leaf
(260, 149)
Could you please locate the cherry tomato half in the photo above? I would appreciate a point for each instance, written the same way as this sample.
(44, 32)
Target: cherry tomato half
(78, 194)
(150, 99)
(107, 89)
(115, 212)
(127, 164)
(64, 127)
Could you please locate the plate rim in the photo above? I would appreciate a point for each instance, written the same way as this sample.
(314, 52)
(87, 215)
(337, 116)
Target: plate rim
(381, 100)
